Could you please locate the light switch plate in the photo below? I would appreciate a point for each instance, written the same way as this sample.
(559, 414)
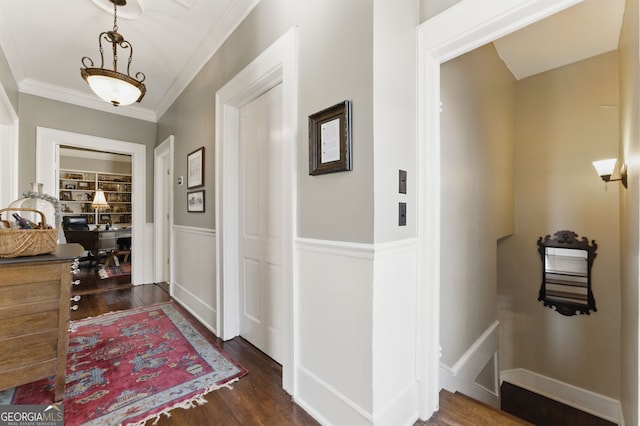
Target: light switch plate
(402, 181)
(402, 214)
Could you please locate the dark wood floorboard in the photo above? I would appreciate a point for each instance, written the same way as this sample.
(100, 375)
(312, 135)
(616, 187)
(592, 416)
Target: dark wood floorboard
(256, 399)
(460, 410)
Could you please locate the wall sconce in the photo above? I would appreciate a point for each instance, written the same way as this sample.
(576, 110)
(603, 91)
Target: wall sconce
(606, 167)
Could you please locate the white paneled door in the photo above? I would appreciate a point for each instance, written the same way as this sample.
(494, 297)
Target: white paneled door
(260, 242)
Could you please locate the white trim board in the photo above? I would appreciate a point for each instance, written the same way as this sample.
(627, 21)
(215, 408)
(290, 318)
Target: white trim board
(461, 28)
(9, 144)
(585, 400)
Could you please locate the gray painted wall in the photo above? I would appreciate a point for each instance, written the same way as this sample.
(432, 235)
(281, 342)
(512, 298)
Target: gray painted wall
(36, 112)
(430, 8)
(7, 81)
(335, 63)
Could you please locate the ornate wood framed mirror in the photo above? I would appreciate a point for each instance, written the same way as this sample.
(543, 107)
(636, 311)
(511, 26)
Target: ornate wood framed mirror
(566, 273)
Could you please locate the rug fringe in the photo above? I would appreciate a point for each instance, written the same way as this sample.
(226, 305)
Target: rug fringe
(185, 405)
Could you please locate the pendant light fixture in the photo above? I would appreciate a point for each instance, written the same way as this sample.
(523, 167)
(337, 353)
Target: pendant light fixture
(112, 85)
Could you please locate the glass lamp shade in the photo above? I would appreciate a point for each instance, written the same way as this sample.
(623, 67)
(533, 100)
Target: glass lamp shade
(114, 87)
(605, 167)
(99, 200)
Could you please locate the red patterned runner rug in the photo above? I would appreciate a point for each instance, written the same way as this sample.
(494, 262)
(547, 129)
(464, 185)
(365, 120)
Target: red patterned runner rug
(130, 366)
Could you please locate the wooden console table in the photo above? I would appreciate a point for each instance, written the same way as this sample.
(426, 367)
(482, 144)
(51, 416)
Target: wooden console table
(35, 294)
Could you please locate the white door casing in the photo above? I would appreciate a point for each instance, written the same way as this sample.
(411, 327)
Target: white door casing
(9, 148)
(276, 65)
(47, 143)
(163, 209)
(465, 26)
(260, 212)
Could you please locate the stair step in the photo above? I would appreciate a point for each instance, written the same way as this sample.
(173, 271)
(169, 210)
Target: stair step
(541, 410)
(459, 409)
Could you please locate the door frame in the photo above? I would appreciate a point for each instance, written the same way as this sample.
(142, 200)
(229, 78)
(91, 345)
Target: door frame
(276, 65)
(48, 142)
(163, 152)
(463, 27)
(9, 160)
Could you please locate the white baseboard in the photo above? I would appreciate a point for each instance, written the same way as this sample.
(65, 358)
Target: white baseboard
(573, 396)
(328, 406)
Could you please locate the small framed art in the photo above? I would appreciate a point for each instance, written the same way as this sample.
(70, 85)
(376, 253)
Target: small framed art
(330, 140)
(195, 168)
(195, 201)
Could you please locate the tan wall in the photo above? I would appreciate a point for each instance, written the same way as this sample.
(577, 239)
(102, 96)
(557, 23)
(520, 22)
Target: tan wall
(566, 118)
(95, 165)
(629, 209)
(335, 63)
(477, 131)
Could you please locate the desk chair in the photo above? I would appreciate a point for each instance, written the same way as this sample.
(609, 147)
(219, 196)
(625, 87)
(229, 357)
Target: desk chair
(76, 230)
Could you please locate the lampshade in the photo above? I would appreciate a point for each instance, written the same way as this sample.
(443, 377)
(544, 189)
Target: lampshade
(118, 89)
(99, 200)
(605, 167)
(110, 84)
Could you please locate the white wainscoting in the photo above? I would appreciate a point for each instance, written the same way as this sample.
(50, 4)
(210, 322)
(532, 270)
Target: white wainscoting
(193, 272)
(395, 390)
(585, 400)
(461, 377)
(345, 366)
(144, 259)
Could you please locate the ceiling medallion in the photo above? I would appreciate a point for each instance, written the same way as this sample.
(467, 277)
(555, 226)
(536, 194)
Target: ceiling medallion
(110, 84)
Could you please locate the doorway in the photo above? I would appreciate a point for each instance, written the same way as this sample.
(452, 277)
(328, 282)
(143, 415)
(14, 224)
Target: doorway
(464, 27)
(277, 65)
(48, 142)
(163, 210)
(260, 248)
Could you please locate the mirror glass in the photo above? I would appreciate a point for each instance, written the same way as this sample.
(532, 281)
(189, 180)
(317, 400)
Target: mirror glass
(566, 283)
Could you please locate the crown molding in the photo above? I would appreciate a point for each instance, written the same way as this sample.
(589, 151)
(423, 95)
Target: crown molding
(57, 93)
(221, 30)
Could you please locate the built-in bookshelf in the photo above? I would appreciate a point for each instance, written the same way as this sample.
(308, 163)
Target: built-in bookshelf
(77, 190)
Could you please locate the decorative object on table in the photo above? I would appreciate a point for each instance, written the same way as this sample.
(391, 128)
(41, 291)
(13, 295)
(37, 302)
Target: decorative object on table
(330, 140)
(195, 168)
(131, 366)
(99, 203)
(34, 199)
(17, 242)
(195, 201)
(112, 85)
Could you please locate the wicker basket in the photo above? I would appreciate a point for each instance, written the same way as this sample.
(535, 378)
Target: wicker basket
(27, 242)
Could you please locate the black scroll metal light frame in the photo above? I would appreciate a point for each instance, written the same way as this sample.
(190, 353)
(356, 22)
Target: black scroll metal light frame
(112, 85)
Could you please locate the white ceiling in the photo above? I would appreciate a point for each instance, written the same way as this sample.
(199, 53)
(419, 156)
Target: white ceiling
(45, 40)
(588, 29)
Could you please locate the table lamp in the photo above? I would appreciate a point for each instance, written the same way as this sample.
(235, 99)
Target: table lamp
(99, 203)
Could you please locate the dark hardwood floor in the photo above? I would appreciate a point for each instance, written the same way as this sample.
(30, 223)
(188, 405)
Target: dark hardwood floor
(256, 399)
(460, 410)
